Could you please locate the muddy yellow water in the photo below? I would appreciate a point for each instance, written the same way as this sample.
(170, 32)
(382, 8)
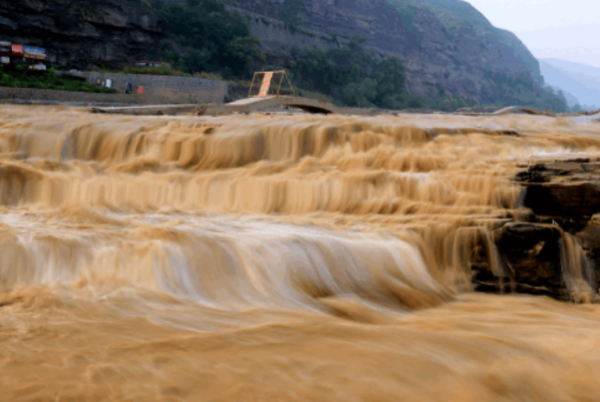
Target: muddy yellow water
(276, 258)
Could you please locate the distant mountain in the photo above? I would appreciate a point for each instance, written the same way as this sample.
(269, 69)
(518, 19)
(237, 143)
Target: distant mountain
(579, 80)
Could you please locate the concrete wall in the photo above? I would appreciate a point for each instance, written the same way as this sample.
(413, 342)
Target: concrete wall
(164, 88)
(51, 96)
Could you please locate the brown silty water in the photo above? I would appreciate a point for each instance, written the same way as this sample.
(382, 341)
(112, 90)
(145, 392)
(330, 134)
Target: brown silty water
(277, 257)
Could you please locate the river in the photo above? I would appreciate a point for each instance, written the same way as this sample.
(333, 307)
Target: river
(275, 257)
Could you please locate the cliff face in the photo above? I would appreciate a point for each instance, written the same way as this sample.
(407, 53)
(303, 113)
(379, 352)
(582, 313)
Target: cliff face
(447, 45)
(82, 34)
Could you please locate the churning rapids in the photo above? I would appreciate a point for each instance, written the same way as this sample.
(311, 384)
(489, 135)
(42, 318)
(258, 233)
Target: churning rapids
(277, 258)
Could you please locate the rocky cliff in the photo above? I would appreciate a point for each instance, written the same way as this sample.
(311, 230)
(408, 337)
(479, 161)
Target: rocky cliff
(447, 46)
(82, 34)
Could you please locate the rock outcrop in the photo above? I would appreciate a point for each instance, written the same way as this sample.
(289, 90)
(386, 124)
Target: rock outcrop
(82, 33)
(564, 191)
(554, 249)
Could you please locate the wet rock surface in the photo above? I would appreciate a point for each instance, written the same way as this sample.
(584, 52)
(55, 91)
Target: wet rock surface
(562, 190)
(531, 254)
(539, 254)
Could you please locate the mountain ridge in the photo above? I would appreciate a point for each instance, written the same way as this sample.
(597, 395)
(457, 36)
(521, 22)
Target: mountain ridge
(580, 80)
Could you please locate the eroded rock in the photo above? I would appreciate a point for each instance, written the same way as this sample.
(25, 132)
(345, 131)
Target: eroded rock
(558, 251)
(531, 254)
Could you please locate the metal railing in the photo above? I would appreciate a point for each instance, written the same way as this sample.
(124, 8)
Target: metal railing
(267, 79)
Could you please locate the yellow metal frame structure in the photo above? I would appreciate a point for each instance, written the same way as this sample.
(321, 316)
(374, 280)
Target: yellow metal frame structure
(283, 74)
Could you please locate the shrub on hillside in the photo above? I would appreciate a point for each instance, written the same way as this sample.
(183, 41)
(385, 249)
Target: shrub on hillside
(207, 37)
(354, 76)
(521, 90)
(21, 77)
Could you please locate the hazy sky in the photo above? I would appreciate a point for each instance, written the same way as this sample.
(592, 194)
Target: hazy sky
(560, 29)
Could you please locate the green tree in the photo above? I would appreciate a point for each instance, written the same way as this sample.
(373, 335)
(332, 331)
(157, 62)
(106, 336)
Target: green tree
(312, 68)
(290, 14)
(360, 94)
(195, 61)
(353, 75)
(521, 90)
(206, 36)
(244, 53)
(390, 76)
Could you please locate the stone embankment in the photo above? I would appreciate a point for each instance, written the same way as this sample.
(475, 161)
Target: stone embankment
(157, 89)
(49, 96)
(162, 88)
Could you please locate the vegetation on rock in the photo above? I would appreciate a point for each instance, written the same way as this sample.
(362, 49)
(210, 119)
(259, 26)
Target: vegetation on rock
(21, 77)
(206, 37)
(353, 75)
(290, 14)
(521, 90)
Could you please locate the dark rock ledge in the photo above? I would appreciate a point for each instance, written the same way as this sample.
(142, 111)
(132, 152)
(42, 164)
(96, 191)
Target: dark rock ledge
(554, 249)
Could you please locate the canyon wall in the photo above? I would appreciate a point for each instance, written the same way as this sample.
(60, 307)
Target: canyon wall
(446, 45)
